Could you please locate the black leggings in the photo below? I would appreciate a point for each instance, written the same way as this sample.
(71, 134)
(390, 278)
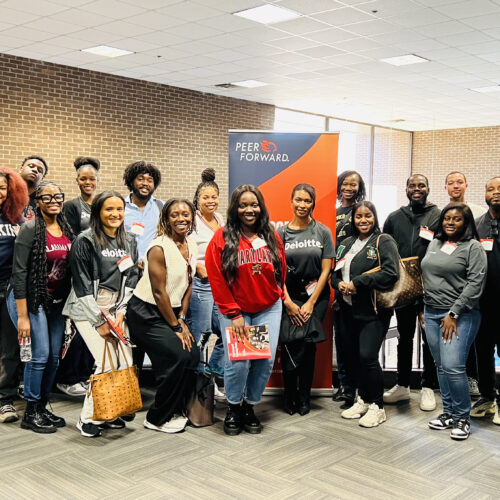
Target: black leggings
(368, 336)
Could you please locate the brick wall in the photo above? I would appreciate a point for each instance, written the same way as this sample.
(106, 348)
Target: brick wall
(473, 151)
(62, 112)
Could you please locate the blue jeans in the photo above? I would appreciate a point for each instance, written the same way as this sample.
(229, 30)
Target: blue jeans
(47, 330)
(203, 318)
(246, 380)
(451, 358)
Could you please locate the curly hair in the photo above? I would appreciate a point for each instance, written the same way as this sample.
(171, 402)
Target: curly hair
(37, 291)
(141, 167)
(207, 180)
(39, 158)
(361, 194)
(87, 161)
(95, 223)
(232, 233)
(164, 228)
(17, 195)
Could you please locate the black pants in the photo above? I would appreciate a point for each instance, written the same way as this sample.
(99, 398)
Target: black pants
(10, 363)
(368, 336)
(77, 365)
(407, 323)
(487, 338)
(174, 367)
(302, 355)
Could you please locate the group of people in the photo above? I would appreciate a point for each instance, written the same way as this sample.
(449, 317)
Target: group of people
(172, 274)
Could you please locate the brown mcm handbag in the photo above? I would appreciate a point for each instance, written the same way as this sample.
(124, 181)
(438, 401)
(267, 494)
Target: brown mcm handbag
(406, 291)
(115, 393)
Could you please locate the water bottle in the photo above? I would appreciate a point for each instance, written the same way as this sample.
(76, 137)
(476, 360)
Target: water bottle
(25, 350)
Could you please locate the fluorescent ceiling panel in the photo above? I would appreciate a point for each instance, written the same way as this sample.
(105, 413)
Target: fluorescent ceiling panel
(404, 60)
(268, 14)
(106, 51)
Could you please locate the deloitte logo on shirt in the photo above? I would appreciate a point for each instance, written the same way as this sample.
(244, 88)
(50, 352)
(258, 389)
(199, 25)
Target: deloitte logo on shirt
(260, 151)
(302, 244)
(113, 253)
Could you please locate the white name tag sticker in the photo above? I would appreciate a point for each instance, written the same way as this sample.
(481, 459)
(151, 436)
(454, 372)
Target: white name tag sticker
(311, 287)
(258, 243)
(426, 234)
(448, 247)
(125, 263)
(487, 244)
(340, 264)
(137, 228)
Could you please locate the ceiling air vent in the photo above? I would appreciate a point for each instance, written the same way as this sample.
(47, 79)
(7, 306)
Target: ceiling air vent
(226, 86)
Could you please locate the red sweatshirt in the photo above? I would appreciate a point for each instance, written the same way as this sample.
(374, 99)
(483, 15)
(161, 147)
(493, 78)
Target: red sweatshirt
(255, 288)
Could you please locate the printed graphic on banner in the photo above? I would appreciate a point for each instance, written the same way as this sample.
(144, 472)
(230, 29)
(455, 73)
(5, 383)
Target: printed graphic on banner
(276, 162)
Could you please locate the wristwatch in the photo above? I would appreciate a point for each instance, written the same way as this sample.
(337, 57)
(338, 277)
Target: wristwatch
(452, 315)
(177, 328)
(182, 316)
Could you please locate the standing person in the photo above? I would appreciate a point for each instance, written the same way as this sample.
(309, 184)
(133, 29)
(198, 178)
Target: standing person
(202, 315)
(76, 366)
(246, 267)
(41, 282)
(33, 170)
(489, 333)
(456, 185)
(13, 200)
(104, 271)
(454, 270)
(350, 190)
(142, 212)
(309, 252)
(157, 316)
(413, 227)
(357, 255)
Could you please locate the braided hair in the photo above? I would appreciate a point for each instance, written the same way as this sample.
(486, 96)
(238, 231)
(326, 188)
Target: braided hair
(207, 180)
(164, 228)
(37, 289)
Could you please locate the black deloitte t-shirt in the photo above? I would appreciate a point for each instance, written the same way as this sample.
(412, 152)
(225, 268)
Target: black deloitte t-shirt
(304, 250)
(110, 276)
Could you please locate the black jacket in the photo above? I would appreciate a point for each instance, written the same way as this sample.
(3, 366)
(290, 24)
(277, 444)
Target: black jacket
(85, 264)
(73, 212)
(366, 259)
(492, 287)
(404, 226)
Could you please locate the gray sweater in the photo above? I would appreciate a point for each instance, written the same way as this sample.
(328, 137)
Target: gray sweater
(454, 282)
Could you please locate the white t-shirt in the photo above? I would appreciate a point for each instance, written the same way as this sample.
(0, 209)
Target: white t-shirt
(204, 234)
(346, 270)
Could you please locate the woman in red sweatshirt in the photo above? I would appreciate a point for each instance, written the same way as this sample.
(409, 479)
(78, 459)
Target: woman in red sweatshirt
(246, 268)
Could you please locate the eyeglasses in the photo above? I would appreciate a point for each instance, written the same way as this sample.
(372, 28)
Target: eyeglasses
(47, 198)
(494, 228)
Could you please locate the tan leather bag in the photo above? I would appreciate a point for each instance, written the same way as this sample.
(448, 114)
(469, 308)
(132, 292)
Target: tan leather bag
(117, 392)
(406, 291)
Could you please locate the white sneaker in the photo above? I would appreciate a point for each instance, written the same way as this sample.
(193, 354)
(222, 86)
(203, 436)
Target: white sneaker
(218, 394)
(473, 388)
(496, 417)
(75, 390)
(357, 410)
(171, 427)
(179, 420)
(397, 393)
(427, 399)
(373, 417)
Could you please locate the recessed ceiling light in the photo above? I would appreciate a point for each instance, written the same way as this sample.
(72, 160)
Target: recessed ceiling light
(404, 60)
(104, 50)
(493, 88)
(251, 84)
(268, 14)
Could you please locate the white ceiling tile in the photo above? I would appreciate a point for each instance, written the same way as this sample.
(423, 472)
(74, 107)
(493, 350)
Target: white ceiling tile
(225, 68)
(321, 51)
(50, 26)
(259, 33)
(37, 7)
(190, 11)
(161, 38)
(169, 53)
(468, 8)
(46, 49)
(95, 37)
(192, 31)
(420, 18)
(483, 22)
(5, 26)
(370, 28)
(331, 35)
(443, 29)
(288, 58)
(382, 52)
(65, 60)
(227, 55)
(29, 35)
(154, 21)
(336, 71)
(441, 55)
(388, 8)
(343, 16)
(10, 42)
(138, 59)
(15, 17)
(22, 52)
(483, 48)
(293, 43)
(124, 29)
(133, 45)
(81, 18)
(126, 73)
(356, 44)
(427, 44)
(231, 5)
(301, 26)
(167, 66)
(113, 8)
(227, 23)
(347, 59)
(225, 40)
(305, 75)
(311, 6)
(259, 50)
(401, 36)
(70, 3)
(462, 39)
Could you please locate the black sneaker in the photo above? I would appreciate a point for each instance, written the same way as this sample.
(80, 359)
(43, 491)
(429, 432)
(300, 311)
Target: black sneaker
(118, 423)
(442, 422)
(232, 422)
(251, 423)
(461, 429)
(128, 418)
(89, 430)
(54, 419)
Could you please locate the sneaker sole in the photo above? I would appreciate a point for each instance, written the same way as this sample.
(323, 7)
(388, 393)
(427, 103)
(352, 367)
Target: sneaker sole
(438, 428)
(482, 414)
(459, 438)
(153, 427)
(496, 421)
(361, 424)
(353, 417)
(5, 419)
(38, 430)
(428, 408)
